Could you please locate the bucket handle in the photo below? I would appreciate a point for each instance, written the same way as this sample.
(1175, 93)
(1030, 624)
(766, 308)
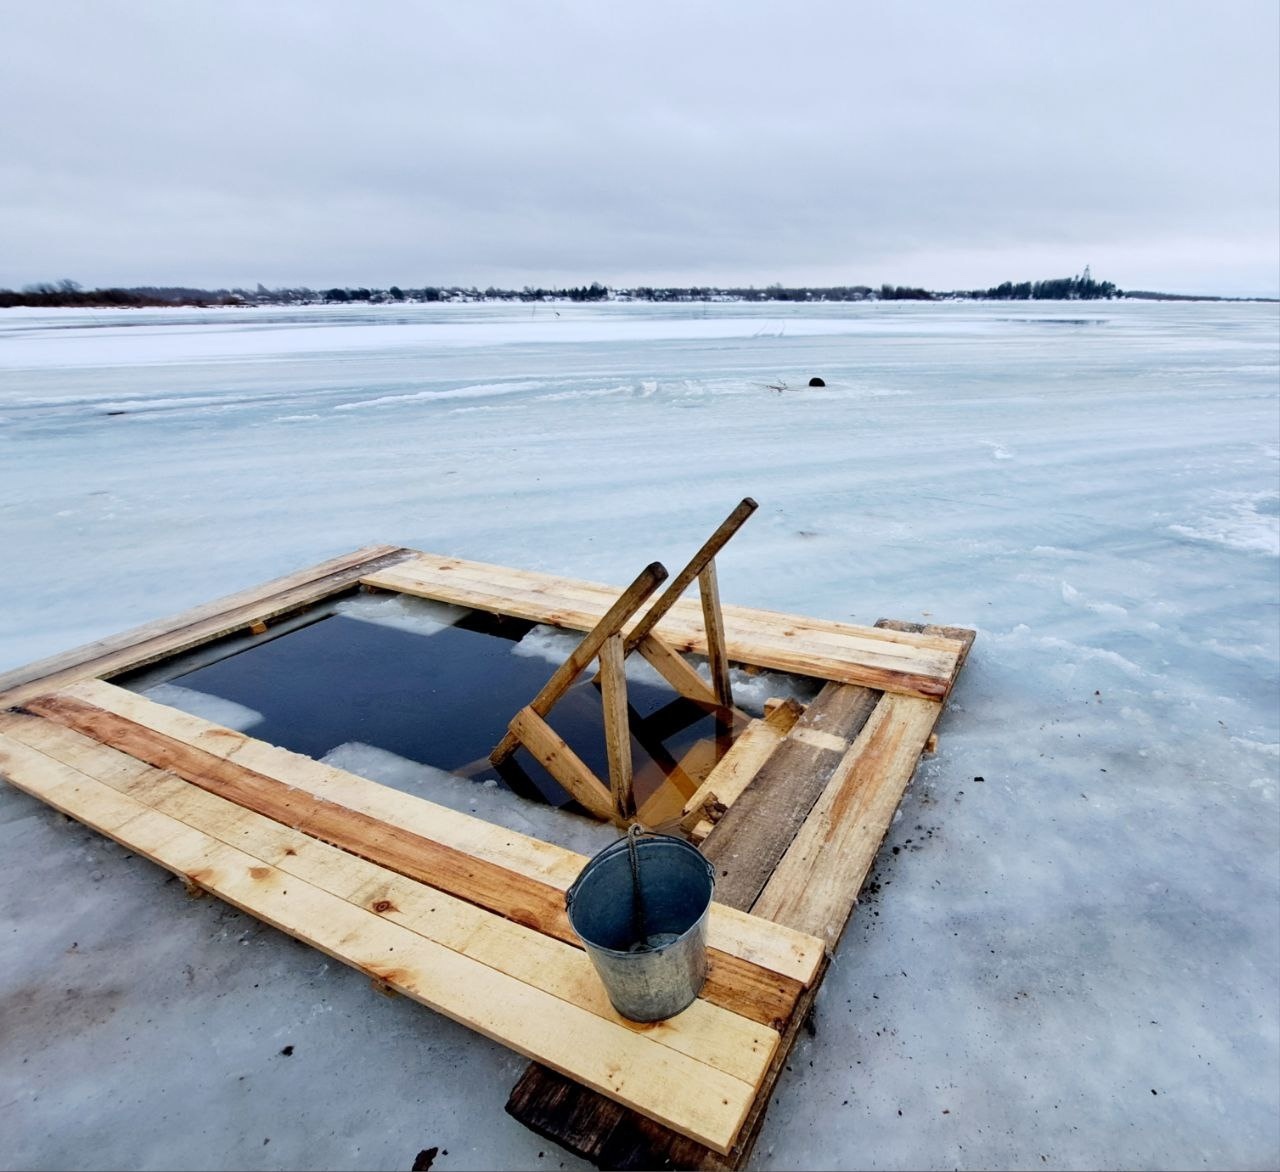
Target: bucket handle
(624, 843)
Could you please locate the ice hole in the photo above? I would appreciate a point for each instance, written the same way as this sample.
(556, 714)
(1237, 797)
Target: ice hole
(377, 678)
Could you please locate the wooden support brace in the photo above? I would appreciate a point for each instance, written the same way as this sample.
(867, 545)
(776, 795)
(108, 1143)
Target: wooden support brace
(700, 560)
(675, 669)
(559, 760)
(631, 599)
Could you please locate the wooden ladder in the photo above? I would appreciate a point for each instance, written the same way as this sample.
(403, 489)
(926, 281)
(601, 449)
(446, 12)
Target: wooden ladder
(607, 642)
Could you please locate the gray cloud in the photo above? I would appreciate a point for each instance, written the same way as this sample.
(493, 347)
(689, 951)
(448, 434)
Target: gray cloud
(930, 143)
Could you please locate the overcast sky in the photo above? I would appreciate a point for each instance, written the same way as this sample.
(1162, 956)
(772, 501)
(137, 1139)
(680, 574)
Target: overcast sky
(949, 143)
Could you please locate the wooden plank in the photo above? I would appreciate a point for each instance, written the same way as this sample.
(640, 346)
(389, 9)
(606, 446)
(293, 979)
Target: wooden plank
(202, 624)
(695, 567)
(725, 783)
(617, 726)
(775, 805)
(713, 626)
(551, 750)
(735, 983)
(962, 637)
(601, 1131)
(755, 832)
(817, 881)
(792, 955)
(847, 654)
(610, 1136)
(891, 636)
(570, 602)
(706, 1032)
(617, 1061)
(676, 670)
(627, 603)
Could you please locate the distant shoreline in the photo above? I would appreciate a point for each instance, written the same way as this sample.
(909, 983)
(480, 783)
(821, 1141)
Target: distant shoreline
(149, 298)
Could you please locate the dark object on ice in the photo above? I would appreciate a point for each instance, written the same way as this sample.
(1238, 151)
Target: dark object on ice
(425, 1159)
(817, 382)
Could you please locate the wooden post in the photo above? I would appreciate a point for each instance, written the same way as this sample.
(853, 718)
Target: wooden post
(631, 599)
(717, 656)
(617, 726)
(700, 560)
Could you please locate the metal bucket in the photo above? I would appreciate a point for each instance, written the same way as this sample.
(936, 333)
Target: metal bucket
(640, 908)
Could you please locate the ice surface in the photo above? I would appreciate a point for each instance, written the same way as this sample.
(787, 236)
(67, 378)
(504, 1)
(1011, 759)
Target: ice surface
(216, 709)
(1094, 489)
(484, 799)
(420, 616)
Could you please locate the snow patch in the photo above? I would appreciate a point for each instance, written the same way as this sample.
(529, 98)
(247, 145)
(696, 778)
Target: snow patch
(214, 709)
(478, 391)
(486, 801)
(1243, 521)
(404, 612)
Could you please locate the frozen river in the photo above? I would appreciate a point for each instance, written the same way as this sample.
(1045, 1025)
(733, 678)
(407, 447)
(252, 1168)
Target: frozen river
(1072, 960)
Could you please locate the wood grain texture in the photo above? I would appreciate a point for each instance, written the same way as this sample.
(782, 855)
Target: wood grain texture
(771, 946)
(693, 569)
(734, 771)
(713, 632)
(617, 726)
(706, 1032)
(816, 883)
(164, 637)
(735, 983)
(890, 660)
(757, 829)
(676, 671)
(612, 1137)
(693, 1097)
(551, 750)
(597, 1129)
(890, 636)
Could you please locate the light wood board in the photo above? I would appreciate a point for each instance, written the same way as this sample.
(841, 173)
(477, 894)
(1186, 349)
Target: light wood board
(793, 955)
(532, 990)
(892, 661)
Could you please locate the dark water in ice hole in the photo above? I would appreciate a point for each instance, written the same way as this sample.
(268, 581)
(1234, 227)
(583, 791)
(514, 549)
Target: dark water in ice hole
(445, 700)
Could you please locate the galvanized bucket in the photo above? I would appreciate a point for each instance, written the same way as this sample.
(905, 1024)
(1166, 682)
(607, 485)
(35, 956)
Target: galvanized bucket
(640, 908)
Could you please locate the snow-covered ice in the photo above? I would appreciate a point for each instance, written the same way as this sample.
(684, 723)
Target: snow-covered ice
(1070, 951)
